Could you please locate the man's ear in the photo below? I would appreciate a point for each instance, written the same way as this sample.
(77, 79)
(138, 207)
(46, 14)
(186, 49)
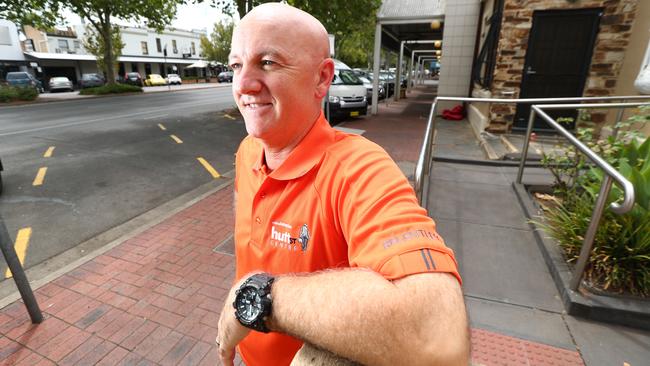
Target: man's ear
(325, 77)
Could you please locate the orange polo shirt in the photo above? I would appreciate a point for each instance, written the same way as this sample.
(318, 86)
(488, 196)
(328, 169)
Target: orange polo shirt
(337, 201)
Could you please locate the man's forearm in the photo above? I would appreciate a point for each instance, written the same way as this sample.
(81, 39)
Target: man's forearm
(360, 315)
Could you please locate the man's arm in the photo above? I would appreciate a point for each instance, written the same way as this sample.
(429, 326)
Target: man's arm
(355, 313)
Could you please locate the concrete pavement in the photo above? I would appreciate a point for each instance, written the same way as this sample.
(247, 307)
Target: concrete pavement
(153, 295)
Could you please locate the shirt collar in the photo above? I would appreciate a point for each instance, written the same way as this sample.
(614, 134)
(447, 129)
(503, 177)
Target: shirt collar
(305, 155)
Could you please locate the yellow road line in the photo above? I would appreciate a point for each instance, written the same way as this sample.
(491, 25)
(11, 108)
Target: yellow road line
(40, 176)
(162, 127)
(178, 141)
(49, 152)
(21, 244)
(208, 167)
(229, 116)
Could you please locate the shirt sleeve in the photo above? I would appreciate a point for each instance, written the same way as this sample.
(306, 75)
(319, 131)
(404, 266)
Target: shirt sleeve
(385, 227)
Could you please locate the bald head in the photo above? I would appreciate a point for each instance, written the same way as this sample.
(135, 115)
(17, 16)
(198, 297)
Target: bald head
(301, 28)
(282, 71)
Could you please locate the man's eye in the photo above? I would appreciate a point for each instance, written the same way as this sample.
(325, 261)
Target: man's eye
(235, 66)
(267, 63)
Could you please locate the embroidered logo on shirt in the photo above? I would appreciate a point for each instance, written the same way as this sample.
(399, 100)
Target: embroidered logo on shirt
(281, 237)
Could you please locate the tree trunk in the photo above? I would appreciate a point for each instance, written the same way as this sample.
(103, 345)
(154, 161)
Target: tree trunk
(109, 62)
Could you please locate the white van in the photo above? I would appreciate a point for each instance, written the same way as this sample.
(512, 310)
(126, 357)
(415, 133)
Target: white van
(347, 95)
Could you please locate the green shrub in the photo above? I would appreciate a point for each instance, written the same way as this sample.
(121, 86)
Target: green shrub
(7, 94)
(111, 89)
(620, 259)
(27, 93)
(10, 94)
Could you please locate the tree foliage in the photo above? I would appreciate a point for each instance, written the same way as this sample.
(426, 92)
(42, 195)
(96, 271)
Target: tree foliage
(217, 47)
(95, 44)
(351, 22)
(37, 13)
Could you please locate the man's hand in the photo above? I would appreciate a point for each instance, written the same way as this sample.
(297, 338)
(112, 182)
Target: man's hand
(230, 331)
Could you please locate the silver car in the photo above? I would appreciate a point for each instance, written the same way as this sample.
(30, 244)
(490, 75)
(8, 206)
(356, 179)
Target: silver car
(60, 83)
(173, 79)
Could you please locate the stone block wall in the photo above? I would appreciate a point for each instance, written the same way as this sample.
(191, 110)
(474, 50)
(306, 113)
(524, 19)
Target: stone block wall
(609, 50)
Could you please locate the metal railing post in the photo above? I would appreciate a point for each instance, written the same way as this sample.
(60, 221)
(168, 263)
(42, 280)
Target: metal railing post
(619, 117)
(19, 275)
(588, 242)
(524, 150)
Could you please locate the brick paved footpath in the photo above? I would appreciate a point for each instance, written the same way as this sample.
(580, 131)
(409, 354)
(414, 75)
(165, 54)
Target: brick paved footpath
(154, 299)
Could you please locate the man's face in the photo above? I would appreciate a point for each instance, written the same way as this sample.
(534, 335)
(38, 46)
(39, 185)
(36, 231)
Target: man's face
(274, 82)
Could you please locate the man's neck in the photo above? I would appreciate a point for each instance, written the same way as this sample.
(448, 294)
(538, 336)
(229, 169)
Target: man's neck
(274, 156)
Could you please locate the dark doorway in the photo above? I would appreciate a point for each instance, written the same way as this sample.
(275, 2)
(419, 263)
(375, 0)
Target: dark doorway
(55, 71)
(559, 53)
(147, 69)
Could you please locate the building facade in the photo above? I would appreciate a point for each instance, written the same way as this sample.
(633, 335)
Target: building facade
(11, 55)
(60, 52)
(557, 48)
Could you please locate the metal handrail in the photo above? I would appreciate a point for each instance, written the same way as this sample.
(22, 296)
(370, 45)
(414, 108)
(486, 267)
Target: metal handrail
(424, 160)
(423, 166)
(628, 188)
(605, 187)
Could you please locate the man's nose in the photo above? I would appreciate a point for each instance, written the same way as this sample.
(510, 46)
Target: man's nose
(247, 80)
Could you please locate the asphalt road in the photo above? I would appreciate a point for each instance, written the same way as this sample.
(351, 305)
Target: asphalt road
(113, 158)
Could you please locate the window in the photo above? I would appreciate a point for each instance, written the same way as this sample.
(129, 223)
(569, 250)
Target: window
(193, 49)
(63, 45)
(158, 46)
(5, 36)
(175, 49)
(145, 48)
(77, 45)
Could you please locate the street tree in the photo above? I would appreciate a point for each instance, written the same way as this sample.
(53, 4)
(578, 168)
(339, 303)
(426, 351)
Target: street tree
(154, 14)
(240, 7)
(37, 13)
(94, 43)
(351, 22)
(217, 47)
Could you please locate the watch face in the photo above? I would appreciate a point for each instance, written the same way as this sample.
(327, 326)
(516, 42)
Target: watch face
(249, 304)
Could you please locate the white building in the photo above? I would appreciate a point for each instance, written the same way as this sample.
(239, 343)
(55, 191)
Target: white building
(11, 55)
(61, 52)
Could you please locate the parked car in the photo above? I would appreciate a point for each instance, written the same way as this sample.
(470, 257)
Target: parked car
(60, 83)
(154, 80)
(133, 78)
(173, 79)
(24, 79)
(368, 84)
(91, 80)
(347, 95)
(225, 77)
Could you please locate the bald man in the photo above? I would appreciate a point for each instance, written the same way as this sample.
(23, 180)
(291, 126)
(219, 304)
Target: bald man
(332, 248)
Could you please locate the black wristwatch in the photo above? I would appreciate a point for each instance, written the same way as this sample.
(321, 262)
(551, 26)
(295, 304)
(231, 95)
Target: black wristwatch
(253, 302)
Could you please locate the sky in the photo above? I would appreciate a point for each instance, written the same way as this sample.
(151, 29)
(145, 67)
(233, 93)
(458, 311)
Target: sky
(191, 16)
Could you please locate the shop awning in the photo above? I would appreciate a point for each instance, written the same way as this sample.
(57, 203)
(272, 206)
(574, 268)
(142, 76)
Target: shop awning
(85, 57)
(60, 56)
(200, 64)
